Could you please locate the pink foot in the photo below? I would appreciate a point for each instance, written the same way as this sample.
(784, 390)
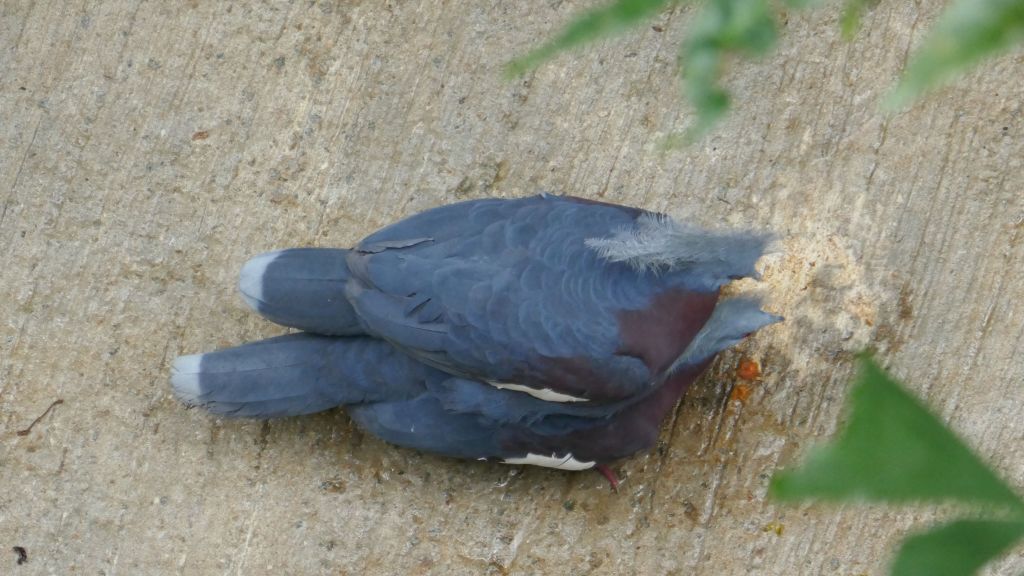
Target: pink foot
(609, 475)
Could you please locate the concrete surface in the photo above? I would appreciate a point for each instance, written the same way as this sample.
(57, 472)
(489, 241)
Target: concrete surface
(148, 148)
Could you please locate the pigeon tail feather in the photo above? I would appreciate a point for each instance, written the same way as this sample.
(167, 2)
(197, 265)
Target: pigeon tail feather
(301, 288)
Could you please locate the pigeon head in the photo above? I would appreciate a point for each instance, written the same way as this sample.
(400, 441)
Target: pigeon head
(732, 320)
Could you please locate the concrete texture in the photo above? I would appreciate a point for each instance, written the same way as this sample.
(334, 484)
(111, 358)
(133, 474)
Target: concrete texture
(148, 148)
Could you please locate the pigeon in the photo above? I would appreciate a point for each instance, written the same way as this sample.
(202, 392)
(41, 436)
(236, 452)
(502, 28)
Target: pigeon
(549, 330)
(563, 298)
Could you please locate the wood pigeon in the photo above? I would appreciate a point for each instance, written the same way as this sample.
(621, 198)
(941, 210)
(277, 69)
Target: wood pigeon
(547, 330)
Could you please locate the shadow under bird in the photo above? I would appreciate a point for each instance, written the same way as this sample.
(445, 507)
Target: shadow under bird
(548, 330)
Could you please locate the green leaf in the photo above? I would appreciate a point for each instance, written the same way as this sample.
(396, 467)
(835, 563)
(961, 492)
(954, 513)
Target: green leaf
(893, 450)
(966, 32)
(853, 10)
(722, 26)
(590, 26)
(798, 4)
(957, 549)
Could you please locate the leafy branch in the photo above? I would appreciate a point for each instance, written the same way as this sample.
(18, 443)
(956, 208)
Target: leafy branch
(893, 450)
(966, 32)
(588, 27)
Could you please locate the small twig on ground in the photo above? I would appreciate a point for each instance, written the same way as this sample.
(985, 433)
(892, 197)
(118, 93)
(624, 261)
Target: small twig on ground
(26, 431)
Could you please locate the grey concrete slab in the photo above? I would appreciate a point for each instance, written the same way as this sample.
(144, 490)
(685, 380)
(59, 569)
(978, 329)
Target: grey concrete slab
(148, 148)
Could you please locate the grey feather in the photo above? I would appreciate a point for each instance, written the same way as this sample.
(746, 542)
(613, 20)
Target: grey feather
(302, 288)
(656, 243)
(295, 374)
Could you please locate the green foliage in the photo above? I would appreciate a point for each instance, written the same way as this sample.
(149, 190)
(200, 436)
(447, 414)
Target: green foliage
(958, 548)
(615, 17)
(966, 32)
(798, 4)
(893, 450)
(853, 10)
(721, 27)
